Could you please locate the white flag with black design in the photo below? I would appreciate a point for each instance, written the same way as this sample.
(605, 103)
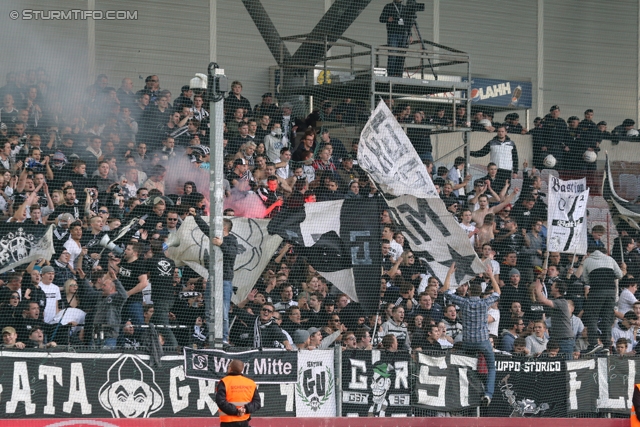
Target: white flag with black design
(387, 155)
(255, 248)
(567, 216)
(23, 243)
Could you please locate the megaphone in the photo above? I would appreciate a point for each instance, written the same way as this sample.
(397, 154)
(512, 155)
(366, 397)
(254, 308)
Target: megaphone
(172, 241)
(106, 242)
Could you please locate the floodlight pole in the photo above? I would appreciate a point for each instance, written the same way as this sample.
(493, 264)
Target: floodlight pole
(216, 86)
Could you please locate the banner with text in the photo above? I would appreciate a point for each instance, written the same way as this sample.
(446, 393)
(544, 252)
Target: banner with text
(448, 383)
(113, 385)
(375, 384)
(387, 155)
(567, 215)
(514, 94)
(604, 384)
(262, 366)
(529, 387)
(316, 386)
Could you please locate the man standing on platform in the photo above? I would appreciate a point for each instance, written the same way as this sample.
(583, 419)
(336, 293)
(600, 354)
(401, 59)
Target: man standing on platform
(393, 15)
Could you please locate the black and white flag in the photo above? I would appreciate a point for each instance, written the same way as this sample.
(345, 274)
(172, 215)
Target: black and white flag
(23, 243)
(621, 210)
(341, 240)
(255, 248)
(389, 158)
(567, 215)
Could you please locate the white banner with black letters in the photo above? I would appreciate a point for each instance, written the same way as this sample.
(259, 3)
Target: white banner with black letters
(567, 215)
(316, 386)
(387, 155)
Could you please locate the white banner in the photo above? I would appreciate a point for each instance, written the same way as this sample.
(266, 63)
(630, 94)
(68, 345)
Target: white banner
(255, 248)
(316, 387)
(567, 216)
(388, 156)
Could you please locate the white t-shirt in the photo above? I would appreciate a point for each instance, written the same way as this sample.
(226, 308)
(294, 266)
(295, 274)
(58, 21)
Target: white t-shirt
(74, 250)
(468, 229)
(493, 326)
(53, 296)
(396, 249)
(626, 301)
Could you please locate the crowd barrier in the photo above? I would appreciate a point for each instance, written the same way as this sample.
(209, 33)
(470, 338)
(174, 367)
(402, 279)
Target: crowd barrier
(309, 384)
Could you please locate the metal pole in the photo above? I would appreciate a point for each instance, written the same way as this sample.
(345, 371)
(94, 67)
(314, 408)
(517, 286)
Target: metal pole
(540, 61)
(337, 369)
(216, 193)
(91, 43)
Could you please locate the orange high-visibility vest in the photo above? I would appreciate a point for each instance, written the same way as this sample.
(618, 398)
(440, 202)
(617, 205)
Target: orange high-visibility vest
(633, 419)
(240, 391)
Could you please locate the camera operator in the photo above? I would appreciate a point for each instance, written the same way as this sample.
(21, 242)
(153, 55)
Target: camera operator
(396, 16)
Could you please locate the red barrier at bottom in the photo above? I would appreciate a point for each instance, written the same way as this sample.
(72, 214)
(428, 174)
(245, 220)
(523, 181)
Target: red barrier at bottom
(325, 422)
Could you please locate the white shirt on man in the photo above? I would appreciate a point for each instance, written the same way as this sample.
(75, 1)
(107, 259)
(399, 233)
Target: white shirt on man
(53, 296)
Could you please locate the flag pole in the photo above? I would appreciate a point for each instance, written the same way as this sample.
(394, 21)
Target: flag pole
(621, 249)
(545, 265)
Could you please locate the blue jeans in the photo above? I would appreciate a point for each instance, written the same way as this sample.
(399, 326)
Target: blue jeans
(486, 349)
(395, 64)
(227, 293)
(134, 312)
(566, 347)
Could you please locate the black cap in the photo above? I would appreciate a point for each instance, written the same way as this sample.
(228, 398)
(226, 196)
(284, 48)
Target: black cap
(238, 162)
(554, 108)
(185, 88)
(602, 123)
(348, 157)
(573, 118)
(267, 95)
(628, 122)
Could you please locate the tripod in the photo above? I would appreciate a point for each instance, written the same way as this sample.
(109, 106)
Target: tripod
(415, 24)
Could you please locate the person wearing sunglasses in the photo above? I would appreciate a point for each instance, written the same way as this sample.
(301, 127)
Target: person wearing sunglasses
(262, 331)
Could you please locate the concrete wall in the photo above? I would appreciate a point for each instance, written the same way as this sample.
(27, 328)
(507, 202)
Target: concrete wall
(590, 56)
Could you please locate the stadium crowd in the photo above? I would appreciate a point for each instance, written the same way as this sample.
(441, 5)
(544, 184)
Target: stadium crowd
(119, 154)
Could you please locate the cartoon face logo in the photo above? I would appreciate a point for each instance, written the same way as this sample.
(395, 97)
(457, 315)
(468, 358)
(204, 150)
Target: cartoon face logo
(131, 390)
(380, 382)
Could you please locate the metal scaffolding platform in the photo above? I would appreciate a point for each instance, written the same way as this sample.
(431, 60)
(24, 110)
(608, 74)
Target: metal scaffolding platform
(433, 73)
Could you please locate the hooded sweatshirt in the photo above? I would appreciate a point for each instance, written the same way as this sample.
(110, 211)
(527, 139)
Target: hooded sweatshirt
(536, 345)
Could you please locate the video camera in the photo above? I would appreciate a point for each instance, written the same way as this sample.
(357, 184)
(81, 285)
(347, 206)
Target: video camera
(411, 11)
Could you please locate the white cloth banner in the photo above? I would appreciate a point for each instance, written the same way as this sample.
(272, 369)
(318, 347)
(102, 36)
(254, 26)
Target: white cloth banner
(255, 248)
(389, 158)
(567, 216)
(316, 387)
